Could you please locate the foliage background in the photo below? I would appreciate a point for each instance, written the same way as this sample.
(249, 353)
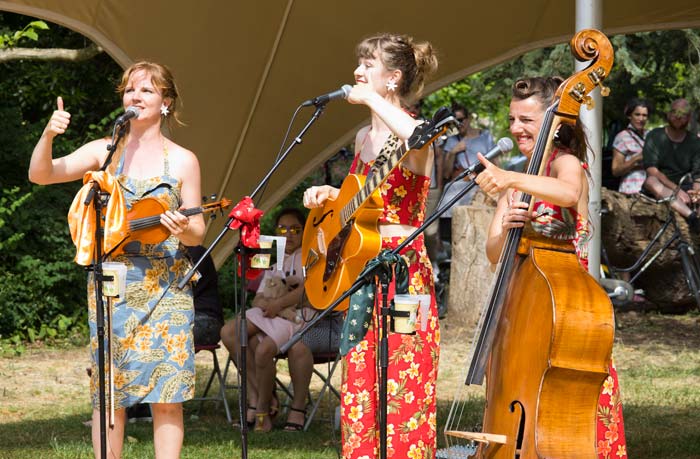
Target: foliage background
(42, 291)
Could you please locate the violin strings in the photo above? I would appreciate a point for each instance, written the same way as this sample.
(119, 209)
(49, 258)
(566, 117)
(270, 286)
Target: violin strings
(146, 222)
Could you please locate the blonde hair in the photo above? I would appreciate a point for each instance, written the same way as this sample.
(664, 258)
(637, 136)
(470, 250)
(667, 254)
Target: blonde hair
(415, 60)
(162, 78)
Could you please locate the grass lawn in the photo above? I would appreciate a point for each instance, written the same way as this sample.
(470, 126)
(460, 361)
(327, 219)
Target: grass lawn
(44, 401)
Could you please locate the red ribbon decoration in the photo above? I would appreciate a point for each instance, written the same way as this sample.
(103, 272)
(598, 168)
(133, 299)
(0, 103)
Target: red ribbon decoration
(246, 217)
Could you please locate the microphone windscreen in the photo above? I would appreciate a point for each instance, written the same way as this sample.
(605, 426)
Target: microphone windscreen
(346, 90)
(505, 144)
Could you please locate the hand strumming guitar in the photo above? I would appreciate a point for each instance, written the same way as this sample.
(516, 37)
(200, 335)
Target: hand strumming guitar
(316, 196)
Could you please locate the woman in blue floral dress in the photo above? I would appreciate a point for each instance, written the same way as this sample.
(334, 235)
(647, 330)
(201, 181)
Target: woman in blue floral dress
(152, 346)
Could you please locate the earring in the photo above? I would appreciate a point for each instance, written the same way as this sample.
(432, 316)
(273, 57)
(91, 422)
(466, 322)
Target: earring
(390, 86)
(164, 110)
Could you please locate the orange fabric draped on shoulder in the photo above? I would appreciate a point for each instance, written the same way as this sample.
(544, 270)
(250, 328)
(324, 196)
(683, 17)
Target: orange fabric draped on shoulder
(81, 217)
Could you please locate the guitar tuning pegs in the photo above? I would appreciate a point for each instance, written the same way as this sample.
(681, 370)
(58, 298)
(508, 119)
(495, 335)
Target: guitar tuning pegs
(212, 197)
(590, 103)
(604, 91)
(204, 199)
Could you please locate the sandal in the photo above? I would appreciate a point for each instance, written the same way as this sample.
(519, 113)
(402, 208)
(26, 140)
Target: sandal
(293, 426)
(260, 422)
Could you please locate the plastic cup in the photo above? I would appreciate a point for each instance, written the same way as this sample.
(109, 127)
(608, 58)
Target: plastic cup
(117, 286)
(409, 304)
(424, 301)
(261, 260)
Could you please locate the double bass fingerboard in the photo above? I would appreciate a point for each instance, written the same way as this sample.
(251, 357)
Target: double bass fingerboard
(486, 329)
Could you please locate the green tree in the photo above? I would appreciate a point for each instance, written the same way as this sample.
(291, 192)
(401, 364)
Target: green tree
(42, 291)
(660, 66)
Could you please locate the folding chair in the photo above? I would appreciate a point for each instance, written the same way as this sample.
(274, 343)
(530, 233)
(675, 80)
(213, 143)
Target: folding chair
(229, 365)
(323, 358)
(216, 372)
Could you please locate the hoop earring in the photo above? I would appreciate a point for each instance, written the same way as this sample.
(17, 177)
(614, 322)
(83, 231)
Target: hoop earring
(390, 86)
(164, 110)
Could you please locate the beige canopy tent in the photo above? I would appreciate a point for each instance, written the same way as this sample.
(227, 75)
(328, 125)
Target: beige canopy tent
(243, 67)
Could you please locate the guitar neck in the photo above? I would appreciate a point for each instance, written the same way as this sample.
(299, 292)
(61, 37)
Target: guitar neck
(147, 222)
(376, 179)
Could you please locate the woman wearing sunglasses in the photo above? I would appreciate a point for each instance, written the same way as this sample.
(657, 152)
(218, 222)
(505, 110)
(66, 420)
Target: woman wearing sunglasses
(276, 315)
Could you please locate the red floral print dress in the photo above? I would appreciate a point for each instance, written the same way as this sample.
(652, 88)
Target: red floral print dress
(413, 359)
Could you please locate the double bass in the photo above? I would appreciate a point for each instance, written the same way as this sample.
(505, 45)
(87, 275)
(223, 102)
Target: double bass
(545, 336)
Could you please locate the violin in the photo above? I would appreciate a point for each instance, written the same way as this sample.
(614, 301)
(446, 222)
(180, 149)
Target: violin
(544, 339)
(144, 220)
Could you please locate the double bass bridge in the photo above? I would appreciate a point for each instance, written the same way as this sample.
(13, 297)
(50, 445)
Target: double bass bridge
(474, 440)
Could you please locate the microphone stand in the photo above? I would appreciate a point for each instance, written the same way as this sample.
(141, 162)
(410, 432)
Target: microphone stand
(383, 272)
(245, 251)
(99, 201)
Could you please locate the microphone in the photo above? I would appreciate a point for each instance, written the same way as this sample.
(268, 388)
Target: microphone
(503, 145)
(325, 98)
(130, 112)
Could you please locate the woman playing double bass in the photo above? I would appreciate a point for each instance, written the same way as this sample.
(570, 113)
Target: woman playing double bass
(560, 212)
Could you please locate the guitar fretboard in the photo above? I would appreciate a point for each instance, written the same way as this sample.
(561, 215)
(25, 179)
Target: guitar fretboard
(383, 166)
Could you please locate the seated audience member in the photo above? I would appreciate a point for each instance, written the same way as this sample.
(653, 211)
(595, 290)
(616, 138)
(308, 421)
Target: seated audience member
(276, 314)
(208, 311)
(627, 161)
(669, 153)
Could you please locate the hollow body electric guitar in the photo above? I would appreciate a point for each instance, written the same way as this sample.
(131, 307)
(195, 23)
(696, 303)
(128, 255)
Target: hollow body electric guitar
(144, 221)
(340, 237)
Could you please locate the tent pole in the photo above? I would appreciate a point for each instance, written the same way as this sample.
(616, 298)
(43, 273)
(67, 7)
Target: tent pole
(589, 14)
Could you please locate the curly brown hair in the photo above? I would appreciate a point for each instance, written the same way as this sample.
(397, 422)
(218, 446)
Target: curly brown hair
(543, 89)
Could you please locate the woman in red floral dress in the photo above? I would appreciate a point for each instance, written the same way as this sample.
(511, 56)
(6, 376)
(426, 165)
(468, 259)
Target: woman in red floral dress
(560, 211)
(390, 75)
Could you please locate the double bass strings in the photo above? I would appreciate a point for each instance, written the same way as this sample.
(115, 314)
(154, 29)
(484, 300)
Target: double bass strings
(457, 446)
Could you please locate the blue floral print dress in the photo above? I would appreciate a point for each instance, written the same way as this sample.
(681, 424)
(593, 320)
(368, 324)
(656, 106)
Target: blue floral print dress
(152, 341)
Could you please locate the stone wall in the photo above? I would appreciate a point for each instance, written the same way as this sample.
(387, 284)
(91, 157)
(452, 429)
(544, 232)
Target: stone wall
(470, 272)
(626, 229)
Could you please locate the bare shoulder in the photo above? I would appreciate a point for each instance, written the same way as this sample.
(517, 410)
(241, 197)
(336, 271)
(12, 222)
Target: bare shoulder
(566, 159)
(95, 150)
(182, 160)
(360, 136)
